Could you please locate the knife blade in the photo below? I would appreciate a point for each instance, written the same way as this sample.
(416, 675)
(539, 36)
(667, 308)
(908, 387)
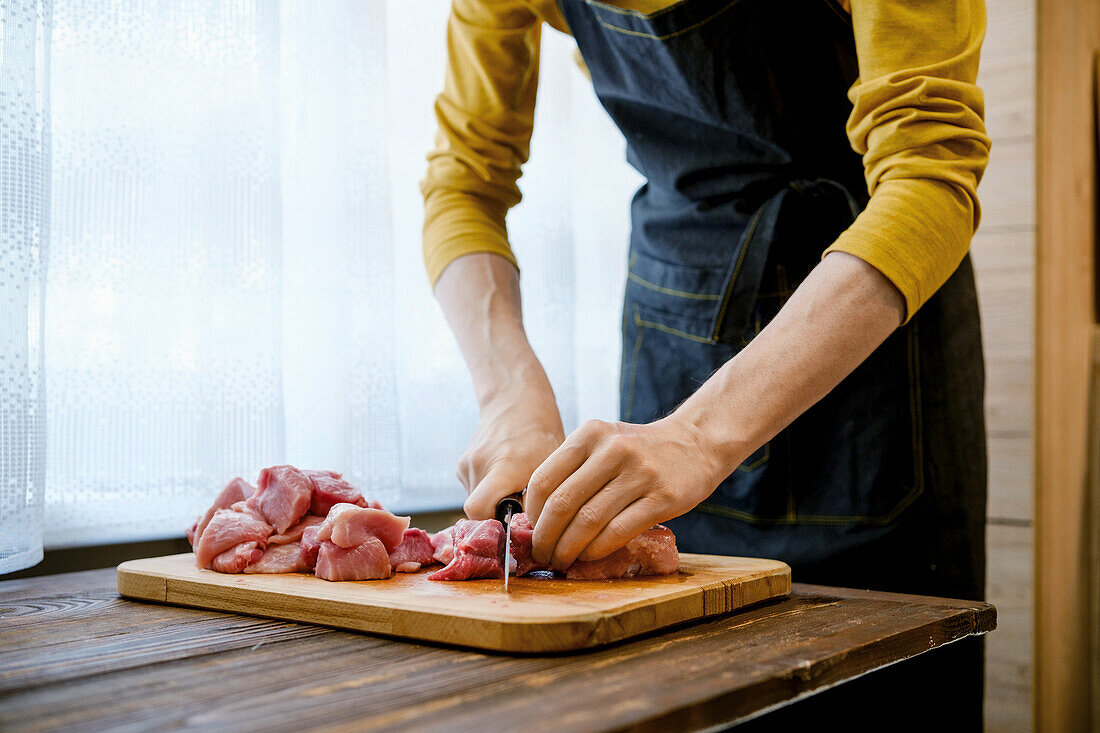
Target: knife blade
(507, 508)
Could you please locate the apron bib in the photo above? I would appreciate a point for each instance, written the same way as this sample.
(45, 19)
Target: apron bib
(734, 113)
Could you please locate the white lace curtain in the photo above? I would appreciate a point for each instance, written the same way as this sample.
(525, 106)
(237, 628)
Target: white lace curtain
(227, 195)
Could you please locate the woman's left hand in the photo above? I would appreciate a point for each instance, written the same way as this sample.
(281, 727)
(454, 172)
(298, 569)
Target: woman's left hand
(609, 482)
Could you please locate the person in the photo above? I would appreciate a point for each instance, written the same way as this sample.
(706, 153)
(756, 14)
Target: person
(802, 374)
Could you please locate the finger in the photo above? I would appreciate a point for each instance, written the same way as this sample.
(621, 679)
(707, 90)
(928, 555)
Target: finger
(462, 471)
(590, 520)
(558, 466)
(625, 526)
(568, 498)
(501, 481)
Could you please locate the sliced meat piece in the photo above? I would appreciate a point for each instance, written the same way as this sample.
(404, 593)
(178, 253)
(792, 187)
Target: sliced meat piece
(478, 551)
(236, 490)
(521, 546)
(237, 558)
(349, 526)
(227, 529)
(443, 545)
(246, 508)
(415, 550)
(294, 534)
(284, 558)
(367, 561)
(283, 496)
(651, 553)
(329, 489)
(311, 544)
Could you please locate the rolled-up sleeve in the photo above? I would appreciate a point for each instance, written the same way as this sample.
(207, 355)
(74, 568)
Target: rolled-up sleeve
(917, 120)
(485, 116)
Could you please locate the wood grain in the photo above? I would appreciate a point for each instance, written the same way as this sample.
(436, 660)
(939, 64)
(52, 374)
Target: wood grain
(1068, 38)
(286, 677)
(1094, 491)
(536, 615)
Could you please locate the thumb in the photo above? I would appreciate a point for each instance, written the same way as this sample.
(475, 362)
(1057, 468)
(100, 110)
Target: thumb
(501, 481)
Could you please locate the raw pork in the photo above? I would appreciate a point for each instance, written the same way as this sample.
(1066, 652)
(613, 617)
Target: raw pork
(228, 529)
(237, 558)
(285, 558)
(310, 546)
(478, 551)
(414, 551)
(521, 546)
(443, 545)
(294, 534)
(366, 561)
(651, 553)
(353, 543)
(348, 525)
(236, 490)
(283, 496)
(329, 489)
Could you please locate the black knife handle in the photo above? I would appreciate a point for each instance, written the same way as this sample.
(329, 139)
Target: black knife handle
(509, 507)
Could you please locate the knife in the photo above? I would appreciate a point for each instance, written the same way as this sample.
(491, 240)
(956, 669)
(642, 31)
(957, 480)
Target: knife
(507, 508)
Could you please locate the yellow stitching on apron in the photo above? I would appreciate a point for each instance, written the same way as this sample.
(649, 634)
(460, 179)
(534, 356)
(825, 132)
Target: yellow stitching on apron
(759, 462)
(669, 291)
(692, 27)
(737, 268)
(628, 414)
(633, 13)
(916, 420)
(673, 331)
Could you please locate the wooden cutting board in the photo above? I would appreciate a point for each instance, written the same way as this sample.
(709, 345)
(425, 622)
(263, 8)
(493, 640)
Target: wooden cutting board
(538, 614)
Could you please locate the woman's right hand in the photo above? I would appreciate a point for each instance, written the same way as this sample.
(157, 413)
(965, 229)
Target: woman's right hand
(519, 428)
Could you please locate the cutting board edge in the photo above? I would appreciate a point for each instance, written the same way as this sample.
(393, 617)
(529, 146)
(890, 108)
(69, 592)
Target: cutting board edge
(534, 635)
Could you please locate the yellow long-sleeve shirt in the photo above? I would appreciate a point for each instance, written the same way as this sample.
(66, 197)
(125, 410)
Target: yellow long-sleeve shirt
(917, 120)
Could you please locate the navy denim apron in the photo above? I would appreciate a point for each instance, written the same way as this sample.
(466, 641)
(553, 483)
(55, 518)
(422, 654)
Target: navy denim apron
(734, 112)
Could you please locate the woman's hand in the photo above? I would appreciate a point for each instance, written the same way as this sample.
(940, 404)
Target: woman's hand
(609, 482)
(518, 430)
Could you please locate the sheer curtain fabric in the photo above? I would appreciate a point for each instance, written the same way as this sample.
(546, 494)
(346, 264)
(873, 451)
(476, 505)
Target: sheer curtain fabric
(235, 280)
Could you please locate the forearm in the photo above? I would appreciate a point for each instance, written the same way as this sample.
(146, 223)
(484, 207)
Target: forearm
(834, 320)
(480, 297)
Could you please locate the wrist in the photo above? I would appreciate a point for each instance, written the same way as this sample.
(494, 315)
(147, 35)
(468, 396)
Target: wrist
(522, 388)
(718, 436)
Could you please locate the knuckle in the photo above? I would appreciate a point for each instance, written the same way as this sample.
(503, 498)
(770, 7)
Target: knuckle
(555, 504)
(536, 485)
(593, 427)
(588, 517)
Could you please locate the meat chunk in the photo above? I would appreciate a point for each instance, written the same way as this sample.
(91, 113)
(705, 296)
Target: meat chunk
(443, 545)
(283, 496)
(353, 543)
(478, 551)
(651, 553)
(236, 490)
(237, 558)
(522, 532)
(283, 558)
(368, 560)
(348, 525)
(228, 529)
(329, 489)
(294, 534)
(311, 545)
(414, 552)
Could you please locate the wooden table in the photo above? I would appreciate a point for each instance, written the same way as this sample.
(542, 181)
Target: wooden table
(74, 654)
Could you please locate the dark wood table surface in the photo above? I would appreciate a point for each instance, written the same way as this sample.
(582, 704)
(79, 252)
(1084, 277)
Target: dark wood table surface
(73, 654)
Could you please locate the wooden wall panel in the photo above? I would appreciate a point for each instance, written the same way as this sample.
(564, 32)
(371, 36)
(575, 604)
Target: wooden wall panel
(1068, 39)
